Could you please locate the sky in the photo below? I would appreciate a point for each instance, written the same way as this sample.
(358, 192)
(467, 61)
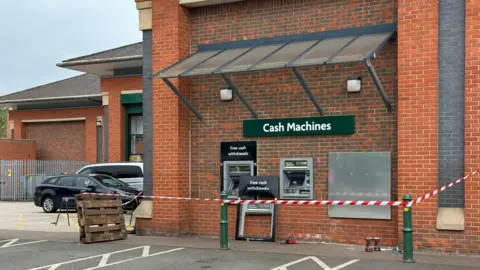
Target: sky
(35, 35)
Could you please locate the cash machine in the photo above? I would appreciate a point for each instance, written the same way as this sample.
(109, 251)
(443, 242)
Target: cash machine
(232, 171)
(257, 188)
(296, 178)
(236, 159)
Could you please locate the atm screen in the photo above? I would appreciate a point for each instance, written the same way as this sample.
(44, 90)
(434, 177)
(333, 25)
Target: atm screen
(235, 180)
(296, 179)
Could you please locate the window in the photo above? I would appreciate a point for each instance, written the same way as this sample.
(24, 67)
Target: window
(109, 181)
(136, 135)
(66, 181)
(127, 171)
(82, 181)
(86, 171)
(50, 181)
(130, 172)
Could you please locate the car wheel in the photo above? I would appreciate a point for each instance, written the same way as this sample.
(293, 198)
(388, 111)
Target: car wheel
(48, 205)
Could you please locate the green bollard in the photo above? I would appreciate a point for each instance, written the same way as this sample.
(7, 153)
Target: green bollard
(224, 222)
(407, 231)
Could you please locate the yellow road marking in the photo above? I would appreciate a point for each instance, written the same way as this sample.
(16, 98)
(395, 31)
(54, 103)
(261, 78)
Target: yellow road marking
(20, 222)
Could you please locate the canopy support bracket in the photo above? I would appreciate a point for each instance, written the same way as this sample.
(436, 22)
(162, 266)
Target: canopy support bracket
(183, 98)
(237, 92)
(304, 84)
(378, 84)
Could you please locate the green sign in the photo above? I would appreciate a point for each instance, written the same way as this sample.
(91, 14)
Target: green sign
(326, 125)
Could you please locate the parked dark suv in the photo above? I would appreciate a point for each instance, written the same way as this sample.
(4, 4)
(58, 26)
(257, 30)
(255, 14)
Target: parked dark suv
(50, 193)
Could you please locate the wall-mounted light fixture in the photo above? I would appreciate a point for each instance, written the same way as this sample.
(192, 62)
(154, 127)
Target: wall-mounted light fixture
(354, 84)
(226, 94)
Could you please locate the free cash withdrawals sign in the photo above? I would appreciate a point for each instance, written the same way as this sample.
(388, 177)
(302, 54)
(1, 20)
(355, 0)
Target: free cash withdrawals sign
(325, 125)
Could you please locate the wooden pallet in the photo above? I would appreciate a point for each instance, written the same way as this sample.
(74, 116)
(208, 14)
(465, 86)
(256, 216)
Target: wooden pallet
(100, 218)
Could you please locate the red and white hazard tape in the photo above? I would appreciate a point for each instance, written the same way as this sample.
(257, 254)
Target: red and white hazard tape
(313, 202)
(435, 192)
(288, 202)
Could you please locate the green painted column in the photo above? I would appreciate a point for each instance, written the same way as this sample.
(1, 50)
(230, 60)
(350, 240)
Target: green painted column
(224, 222)
(407, 231)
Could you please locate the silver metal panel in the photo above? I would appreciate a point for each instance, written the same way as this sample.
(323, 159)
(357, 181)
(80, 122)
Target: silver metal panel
(359, 176)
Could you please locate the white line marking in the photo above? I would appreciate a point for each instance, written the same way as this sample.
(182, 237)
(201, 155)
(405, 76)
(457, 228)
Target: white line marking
(317, 261)
(345, 264)
(11, 243)
(146, 251)
(104, 260)
(132, 259)
(86, 258)
(55, 266)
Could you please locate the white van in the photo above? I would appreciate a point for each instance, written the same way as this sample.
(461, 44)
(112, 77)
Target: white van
(128, 172)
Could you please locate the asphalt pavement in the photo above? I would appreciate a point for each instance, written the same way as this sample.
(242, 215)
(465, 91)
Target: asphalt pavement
(31, 254)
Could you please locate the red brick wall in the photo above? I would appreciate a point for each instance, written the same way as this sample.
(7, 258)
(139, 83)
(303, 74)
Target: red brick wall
(417, 107)
(267, 18)
(58, 140)
(170, 42)
(116, 113)
(17, 149)
(471, 239)
(279, 96)
(90, 124)
(418, 99)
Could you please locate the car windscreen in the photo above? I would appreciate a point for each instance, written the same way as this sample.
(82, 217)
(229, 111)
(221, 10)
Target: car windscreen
(109, 181)
(50, 181)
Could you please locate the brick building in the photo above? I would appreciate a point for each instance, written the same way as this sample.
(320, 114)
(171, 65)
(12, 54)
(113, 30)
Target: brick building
(68, 118)
(224, 73)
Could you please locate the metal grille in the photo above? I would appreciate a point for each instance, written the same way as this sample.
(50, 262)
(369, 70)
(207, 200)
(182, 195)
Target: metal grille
(18, 178)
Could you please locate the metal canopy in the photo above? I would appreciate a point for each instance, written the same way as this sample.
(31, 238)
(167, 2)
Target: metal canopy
(316, 49)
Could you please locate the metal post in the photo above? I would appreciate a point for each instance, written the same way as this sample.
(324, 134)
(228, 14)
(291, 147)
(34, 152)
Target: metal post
(240, 96)
(304, 84)
(224, 222)
(183, 98)
(379, 86)
(407, 231)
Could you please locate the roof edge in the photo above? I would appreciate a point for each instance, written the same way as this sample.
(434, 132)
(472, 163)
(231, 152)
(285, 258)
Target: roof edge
(100, 61)
(46, 84)
(49, 98)
(100, 52)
